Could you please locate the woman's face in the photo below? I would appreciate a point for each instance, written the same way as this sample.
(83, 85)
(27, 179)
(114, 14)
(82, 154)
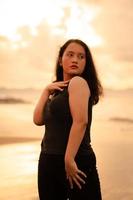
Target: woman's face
(73, 60)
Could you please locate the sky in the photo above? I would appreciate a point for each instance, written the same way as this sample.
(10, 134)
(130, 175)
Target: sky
(31, 33)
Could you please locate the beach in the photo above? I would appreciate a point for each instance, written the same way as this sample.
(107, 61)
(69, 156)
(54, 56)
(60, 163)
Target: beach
(111, 139)
(19, 168)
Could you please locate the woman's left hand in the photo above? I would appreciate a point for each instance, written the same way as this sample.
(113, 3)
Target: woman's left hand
(74, 174)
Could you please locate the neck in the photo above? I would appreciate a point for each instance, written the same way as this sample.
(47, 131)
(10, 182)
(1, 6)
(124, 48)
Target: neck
(67, 77)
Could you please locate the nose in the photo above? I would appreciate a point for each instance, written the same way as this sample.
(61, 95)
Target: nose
(75, 59)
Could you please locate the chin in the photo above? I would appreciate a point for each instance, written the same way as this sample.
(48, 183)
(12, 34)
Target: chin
(75, 74)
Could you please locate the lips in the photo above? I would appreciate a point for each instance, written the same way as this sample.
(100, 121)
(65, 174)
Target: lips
(74, 66)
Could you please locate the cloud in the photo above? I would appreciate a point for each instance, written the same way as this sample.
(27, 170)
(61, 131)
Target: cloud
(114, 24)
(29, 60)
(31, 53)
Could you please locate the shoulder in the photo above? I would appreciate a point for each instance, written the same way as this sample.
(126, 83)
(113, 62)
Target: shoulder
(78, 83)
(77, 80)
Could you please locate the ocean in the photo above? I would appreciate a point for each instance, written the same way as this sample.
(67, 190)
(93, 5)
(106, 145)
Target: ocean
(111, 139)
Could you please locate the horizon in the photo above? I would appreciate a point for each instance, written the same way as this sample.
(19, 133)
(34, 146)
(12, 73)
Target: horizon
(40, 88)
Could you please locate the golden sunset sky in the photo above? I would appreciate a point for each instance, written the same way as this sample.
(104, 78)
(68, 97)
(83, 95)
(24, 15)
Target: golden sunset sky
(31, 32)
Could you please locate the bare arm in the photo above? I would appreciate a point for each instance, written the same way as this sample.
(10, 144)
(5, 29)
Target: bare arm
(38, 111)
(78, 99)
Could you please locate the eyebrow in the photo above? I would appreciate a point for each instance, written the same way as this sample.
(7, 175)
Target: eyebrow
(78, 52)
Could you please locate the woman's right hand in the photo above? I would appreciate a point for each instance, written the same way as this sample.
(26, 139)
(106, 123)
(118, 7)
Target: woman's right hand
(50, 89)
(56, 86)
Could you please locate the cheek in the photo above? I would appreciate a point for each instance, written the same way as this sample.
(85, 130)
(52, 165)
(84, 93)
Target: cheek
(65, 62)
(83, 63)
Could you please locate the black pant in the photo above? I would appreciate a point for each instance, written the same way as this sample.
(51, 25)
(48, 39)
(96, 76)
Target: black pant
(52, 182)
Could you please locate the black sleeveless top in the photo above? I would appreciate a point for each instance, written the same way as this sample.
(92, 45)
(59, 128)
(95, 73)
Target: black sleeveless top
(58, 121)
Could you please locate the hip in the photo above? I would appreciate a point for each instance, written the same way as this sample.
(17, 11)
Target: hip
(57, 160)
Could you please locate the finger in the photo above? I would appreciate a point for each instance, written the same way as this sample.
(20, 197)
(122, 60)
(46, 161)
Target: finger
(62, 85)
(59, 88)
(63, 81)
(67, 177)
(80, 179)
(82, 173)
(77, 183)
(66, 81)
(71, 182)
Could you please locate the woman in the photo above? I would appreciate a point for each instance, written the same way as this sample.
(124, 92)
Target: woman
(67, 163)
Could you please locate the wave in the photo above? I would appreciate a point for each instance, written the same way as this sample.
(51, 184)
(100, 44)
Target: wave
(121, 119)
(12, 100)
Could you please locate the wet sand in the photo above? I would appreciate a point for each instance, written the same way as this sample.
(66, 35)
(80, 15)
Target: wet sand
(18, 172)
(12, 140)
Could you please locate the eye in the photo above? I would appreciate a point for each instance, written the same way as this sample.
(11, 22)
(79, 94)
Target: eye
(69, 54)
(81, 56)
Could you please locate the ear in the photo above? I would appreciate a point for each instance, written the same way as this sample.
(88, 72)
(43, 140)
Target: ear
(60, 61)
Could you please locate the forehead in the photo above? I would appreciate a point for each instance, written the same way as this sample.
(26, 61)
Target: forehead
(75, 47)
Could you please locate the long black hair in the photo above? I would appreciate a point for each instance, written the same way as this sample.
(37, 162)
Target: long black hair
(89, 73)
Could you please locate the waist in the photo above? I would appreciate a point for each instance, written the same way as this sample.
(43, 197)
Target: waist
(54, 159)
(60, 150)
